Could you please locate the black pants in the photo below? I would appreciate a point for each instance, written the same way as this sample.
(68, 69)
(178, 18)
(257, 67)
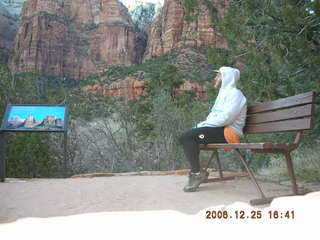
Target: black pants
(191, 139)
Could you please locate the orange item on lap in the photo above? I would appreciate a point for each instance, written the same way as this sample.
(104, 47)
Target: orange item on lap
(231, 136)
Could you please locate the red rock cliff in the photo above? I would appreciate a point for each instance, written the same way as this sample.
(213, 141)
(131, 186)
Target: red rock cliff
(74, 38)
(171, 30)
(132, 88)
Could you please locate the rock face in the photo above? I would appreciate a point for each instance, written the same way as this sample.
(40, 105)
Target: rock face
(8, 30)
(74, 38)
(142, 15)
(129, 88)
(171, 30)
(132, 88)
(30, 122)
(49, 120)
(16, 122)
(197, 88)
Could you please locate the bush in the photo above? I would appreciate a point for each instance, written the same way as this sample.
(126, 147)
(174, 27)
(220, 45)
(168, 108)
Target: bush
(28, 155)
(305, 161)
(116, 143)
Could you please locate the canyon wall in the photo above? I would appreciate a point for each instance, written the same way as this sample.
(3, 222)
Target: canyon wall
(73, 38)
(172, 29)
(133, 88)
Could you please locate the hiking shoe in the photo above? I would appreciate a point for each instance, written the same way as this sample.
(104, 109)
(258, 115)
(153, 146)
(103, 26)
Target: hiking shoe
(195, 179)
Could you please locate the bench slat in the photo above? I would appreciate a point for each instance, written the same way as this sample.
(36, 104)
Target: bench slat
(301, 99)
(282, 126)
(284, 114)
(243, 146)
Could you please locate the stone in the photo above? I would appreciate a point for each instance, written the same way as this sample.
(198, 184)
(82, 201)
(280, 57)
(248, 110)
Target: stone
(133, 88)
(49, 121)
(197, 88)
(30, 122)
(73, 38)
(170, 30)
(16, 122)
(128, 88)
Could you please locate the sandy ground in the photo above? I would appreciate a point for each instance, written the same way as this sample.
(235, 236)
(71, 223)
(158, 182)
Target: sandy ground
(63, 197)
(130, 206)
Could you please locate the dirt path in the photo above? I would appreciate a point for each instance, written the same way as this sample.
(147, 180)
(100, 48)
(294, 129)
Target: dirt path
(150, 207)
(63, 197)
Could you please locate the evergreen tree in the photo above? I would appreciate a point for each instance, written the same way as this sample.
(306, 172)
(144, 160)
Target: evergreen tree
(278, 43)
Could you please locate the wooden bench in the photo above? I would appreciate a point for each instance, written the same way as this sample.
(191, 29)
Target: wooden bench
(291, 114)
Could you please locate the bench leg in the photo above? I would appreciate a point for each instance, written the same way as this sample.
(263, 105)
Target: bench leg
(219, 164)
(291, 173)
(215, 154)
(210, 160)
(253, 179)
(265, 200)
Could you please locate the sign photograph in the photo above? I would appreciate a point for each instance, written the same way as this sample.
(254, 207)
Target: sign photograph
(35, 118)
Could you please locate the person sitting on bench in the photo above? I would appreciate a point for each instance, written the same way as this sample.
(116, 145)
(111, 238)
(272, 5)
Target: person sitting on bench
(224, 124)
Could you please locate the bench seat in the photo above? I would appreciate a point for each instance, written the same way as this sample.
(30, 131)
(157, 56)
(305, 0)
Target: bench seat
(261, 146)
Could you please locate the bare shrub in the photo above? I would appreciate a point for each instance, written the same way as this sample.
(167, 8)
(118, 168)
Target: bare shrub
(306, 164)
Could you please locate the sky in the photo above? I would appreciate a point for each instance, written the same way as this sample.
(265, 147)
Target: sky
(15, 6)
(130, 3)
(39, 112)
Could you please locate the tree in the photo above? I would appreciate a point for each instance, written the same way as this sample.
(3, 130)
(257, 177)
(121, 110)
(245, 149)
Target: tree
(277, 41)
(168, 79)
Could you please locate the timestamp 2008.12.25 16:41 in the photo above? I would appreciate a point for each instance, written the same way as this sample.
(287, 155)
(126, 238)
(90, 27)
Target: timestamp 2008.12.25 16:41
(254, 214)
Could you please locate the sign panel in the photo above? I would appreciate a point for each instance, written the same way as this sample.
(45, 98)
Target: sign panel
(35, 118)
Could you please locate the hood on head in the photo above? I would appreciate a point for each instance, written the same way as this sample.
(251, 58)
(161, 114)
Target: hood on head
(230, 77)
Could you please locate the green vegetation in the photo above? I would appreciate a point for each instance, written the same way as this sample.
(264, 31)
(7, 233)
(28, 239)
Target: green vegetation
(168, 79)
(28, 155)
(277, 41)
(192, 10)
(213, 11)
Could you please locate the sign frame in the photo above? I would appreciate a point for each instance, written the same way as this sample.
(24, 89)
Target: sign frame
(10, 107)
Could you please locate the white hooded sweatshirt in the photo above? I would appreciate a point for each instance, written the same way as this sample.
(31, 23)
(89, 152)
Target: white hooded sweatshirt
(230, 107)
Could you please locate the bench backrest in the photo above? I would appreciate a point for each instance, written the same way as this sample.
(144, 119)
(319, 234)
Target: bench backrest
(282, 115)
